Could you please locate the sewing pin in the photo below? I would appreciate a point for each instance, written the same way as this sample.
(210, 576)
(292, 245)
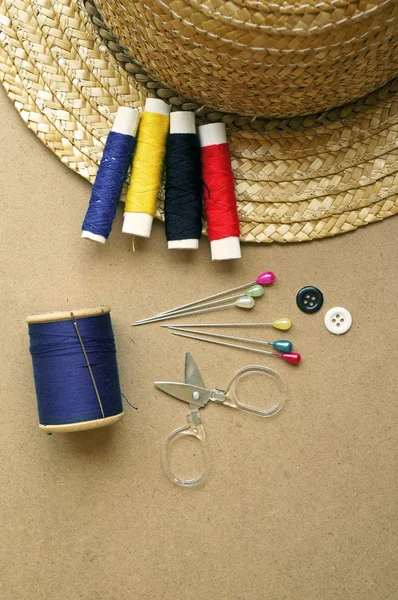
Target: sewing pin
(246, 302)
(281, 345)
(291, 357)
(283, 324)
(265, 278)
(255, 291)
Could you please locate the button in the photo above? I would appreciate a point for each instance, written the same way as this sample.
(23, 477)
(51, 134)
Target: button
(309, 299)
(338, 320)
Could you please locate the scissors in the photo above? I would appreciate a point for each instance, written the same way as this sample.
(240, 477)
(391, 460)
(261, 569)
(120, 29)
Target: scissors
(197, 396)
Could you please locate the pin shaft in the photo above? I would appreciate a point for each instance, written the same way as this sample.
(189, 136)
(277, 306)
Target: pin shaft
(185, 310)
(291, 357)
(219, 335)
(177, 308)
(203, 339)
(263, 279)
(183, 325)
(173, 316)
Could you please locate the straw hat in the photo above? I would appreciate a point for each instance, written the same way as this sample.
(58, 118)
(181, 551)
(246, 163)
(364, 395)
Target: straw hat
(274, 72)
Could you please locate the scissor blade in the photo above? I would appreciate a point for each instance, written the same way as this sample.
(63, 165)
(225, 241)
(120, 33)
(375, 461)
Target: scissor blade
(192, 373)
(185, 392)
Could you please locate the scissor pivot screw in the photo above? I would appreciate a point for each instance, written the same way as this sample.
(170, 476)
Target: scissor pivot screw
(196, 395)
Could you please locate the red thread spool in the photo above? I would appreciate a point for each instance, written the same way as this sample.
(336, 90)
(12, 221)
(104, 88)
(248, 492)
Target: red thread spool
(219, 192)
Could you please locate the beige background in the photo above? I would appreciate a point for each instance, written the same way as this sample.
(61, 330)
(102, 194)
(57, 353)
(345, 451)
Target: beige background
(299, 507)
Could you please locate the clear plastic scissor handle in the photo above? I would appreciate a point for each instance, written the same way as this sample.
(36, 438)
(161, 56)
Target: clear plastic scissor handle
(197, 432)
(230, 396)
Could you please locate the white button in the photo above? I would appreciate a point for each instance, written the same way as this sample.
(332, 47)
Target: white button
(338, 320)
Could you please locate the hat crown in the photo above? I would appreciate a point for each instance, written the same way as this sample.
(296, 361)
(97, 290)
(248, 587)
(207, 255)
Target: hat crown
(255, 57)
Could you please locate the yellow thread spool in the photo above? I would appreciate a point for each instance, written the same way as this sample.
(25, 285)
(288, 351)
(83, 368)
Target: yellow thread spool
(147, 169)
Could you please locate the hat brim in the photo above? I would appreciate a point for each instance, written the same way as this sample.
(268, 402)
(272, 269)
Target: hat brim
(296, 180)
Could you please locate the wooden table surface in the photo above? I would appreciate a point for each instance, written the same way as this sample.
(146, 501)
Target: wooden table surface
(299, 507)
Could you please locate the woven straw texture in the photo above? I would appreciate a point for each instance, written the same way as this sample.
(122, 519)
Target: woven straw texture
(261, 58)
(297, 179)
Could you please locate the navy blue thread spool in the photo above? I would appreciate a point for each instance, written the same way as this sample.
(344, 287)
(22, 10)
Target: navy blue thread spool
(75, 370)
(183, 206)
(112, 172)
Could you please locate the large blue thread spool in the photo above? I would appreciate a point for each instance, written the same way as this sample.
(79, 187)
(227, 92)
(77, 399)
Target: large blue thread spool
(75, 370)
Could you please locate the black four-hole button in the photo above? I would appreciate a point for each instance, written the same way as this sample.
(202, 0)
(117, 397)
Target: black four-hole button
(309, 299)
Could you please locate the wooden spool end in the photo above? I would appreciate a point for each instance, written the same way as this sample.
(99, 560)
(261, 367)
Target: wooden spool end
(66, 315)
(84, 426)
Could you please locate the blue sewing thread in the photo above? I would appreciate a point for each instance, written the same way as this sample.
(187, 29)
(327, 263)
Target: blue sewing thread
(111, 174)
(64, 387)
(108, 184)
(183, 191)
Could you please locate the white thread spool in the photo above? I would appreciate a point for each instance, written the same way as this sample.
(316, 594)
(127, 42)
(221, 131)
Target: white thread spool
(227, 248)
(136, 223)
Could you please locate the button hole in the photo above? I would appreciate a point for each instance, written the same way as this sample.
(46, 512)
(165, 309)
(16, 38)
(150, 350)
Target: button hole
(337, 316)
(311, 304)
(337, 324)
(308, 296)
(333, 320)
(305, 301)
(313, 298)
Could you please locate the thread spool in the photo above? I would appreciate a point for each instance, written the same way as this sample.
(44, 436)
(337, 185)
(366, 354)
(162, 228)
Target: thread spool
(147, 169)
(219, 192)
(183, 190)
(112, 172)
(75, 370)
